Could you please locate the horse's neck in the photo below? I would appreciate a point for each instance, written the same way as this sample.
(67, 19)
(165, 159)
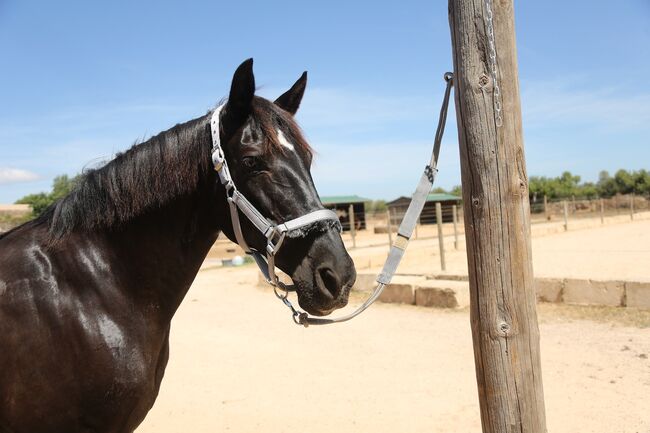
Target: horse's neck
(161, 251)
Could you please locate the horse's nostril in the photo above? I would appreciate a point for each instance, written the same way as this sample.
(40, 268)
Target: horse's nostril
(330, 286)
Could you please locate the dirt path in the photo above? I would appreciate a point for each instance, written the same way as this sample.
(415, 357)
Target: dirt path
(238, 364)
(611, 252)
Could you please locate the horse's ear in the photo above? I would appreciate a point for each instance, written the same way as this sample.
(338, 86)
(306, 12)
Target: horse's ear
(290, 100)
(241, 95)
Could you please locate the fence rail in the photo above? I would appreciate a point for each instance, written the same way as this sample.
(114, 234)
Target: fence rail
(579, 207)
(563, 211)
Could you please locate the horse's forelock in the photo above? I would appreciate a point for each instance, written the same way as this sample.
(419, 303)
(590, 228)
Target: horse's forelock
(272, 118)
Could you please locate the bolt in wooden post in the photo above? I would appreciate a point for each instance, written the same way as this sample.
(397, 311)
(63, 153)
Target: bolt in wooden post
(602, 211)
(632, 207)
(353, 228)
(566, 215)
(454, 210)
(497, 221)
(441, 239)
(546, 208)
(389, 228)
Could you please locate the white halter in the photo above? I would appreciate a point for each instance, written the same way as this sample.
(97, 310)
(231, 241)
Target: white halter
(274, 233)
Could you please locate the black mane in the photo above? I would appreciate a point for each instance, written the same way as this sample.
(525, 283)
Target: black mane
(147, 175)
(153, 172)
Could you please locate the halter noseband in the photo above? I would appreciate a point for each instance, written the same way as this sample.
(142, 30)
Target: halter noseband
(274, 233)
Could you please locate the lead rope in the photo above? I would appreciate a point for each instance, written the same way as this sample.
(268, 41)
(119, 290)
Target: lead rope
(404, 232)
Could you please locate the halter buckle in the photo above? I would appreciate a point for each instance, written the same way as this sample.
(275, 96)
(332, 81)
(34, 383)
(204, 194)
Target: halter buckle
(274, 239)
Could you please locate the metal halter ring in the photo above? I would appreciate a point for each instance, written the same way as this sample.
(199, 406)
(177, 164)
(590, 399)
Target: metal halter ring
(278, 295)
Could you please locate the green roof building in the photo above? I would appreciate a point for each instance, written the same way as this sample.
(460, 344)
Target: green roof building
(341, 205)
(397, 208)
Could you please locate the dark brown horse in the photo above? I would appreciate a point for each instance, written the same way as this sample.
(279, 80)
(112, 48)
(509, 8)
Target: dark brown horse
(88, 290)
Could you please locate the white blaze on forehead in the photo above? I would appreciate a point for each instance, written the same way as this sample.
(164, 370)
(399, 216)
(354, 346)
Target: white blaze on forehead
(283, 141)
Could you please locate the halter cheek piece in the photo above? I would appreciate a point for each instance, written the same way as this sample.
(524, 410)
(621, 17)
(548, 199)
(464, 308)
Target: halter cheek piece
(274, 233)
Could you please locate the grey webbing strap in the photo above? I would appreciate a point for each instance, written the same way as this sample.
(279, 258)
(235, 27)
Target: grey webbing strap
(236, 226)
(419, 199)
(406, 228)
(253, 215)
(308, 219)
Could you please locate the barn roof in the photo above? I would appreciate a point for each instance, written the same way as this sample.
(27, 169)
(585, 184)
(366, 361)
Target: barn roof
(432, 197)
(339, 199)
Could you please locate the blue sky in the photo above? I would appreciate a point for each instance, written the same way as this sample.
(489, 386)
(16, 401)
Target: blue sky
(82, 80)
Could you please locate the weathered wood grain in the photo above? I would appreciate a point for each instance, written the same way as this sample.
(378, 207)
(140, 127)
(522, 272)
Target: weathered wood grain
(497, 221)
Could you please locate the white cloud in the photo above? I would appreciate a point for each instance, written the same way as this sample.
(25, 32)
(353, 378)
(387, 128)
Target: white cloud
(15, 175)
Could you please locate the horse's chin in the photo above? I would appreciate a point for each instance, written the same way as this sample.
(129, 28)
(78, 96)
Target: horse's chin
(316, 312)
(319, 307)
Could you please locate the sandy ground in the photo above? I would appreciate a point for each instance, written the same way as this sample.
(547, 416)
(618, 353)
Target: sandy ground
(611, 252)
(618, 250)
(239, 364)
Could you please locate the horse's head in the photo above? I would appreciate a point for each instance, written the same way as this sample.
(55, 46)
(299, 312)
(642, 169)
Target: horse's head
(270, 162)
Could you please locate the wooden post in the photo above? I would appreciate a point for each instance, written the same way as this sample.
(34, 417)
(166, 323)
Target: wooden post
(389, 228)
(566, 215)
(441, 239)
(573, 203)
(602, 211)
(353, 228)
(546, 208)
(454, 210)
(632, 207)
(497, 219)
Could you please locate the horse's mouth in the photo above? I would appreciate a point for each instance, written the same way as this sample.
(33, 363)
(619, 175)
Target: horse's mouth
(310, 301)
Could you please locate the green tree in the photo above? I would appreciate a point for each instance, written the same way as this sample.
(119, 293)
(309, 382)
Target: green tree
(39, 202)
(376, 206)
(538, 187)
(624, 181)
(61, 186)
(606, 184)
(588, 190)
(567, 185)
(642, 182)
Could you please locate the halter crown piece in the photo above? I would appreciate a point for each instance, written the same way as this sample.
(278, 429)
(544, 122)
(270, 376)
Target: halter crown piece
(275, 233)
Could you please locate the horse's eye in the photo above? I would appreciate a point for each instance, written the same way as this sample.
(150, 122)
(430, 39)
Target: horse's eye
(252, 163)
